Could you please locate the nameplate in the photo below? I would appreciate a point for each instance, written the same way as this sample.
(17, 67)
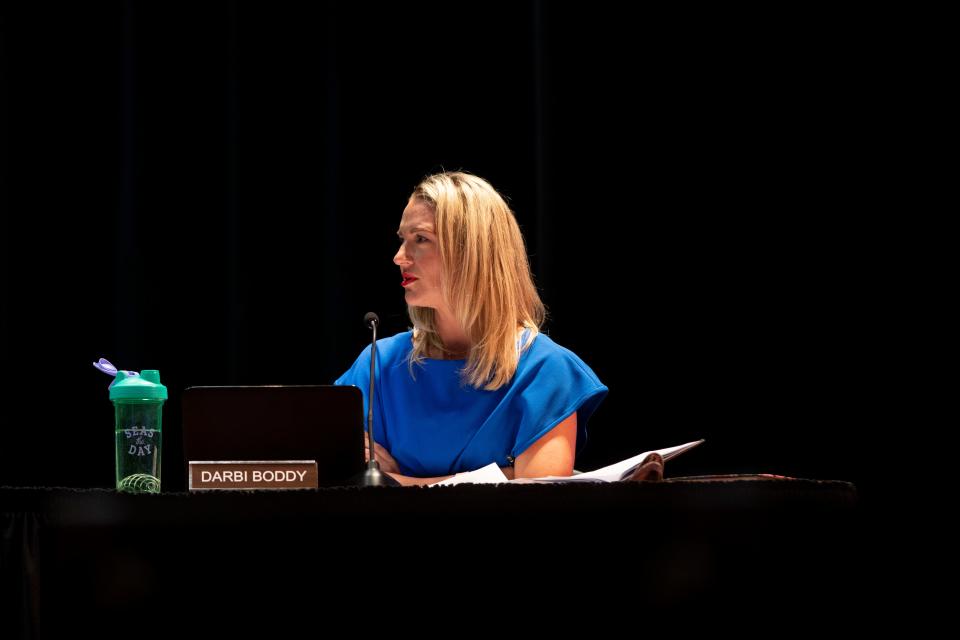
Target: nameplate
(206, 475)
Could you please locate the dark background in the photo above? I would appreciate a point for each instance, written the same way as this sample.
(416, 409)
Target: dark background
(213, 190)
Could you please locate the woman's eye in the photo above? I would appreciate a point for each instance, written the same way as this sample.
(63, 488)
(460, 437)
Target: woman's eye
(418, 239)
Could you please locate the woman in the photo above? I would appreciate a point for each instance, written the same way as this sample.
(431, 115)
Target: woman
(475, 381)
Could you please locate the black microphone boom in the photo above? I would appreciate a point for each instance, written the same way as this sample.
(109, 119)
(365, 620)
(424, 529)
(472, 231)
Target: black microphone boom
(372, 321)
(373, 477)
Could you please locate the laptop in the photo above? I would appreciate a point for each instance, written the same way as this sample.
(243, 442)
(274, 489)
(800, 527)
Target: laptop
(322, 423)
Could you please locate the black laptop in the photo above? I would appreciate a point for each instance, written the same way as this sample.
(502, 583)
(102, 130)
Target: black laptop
(263, 423)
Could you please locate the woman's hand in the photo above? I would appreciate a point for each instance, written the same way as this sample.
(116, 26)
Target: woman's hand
(383, 457)
(650, 470)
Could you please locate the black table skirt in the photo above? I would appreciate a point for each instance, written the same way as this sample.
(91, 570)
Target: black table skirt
(94, 560)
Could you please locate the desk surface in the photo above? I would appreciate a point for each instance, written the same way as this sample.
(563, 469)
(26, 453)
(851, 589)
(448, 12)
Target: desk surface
(733, 493)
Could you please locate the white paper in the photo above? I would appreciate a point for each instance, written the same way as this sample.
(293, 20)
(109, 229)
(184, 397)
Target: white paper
(616, 471)
(490, 474)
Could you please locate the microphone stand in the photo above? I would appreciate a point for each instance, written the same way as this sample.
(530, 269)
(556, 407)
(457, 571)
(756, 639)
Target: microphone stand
(373, 477)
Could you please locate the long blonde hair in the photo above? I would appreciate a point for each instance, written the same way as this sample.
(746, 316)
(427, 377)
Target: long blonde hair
(485, 278)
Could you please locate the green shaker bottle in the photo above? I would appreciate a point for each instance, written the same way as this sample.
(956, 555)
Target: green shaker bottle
(138, 407)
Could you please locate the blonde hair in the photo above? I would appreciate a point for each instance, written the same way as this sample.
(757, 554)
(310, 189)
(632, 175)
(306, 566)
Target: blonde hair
(485, 278)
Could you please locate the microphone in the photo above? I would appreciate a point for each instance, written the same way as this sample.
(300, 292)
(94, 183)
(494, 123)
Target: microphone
(373, 477)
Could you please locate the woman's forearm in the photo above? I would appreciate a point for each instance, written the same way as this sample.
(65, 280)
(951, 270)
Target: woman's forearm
(410, 481)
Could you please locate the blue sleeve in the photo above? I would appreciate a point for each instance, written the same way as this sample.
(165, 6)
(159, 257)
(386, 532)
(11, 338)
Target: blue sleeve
(550, 389)
(358, 375)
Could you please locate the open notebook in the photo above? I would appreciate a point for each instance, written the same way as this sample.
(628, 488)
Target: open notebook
(491, 474)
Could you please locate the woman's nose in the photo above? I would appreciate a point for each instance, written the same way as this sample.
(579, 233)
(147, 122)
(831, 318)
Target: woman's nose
(401, 257)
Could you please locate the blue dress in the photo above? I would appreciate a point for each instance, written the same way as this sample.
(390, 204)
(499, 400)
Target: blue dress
(437, 425)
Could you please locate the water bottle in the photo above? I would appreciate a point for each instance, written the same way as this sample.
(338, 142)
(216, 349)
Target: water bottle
(138, 407)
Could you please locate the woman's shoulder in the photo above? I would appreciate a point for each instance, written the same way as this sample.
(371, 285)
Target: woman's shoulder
(395, 347)
(544, 351)
(390, 351)
(544, 346)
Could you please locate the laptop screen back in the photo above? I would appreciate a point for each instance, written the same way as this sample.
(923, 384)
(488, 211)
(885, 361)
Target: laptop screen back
(317, 422)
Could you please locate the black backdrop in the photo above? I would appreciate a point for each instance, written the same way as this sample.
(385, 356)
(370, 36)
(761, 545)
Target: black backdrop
(212, 190)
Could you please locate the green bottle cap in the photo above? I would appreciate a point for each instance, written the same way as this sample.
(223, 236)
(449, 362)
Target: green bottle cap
(145, 386)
